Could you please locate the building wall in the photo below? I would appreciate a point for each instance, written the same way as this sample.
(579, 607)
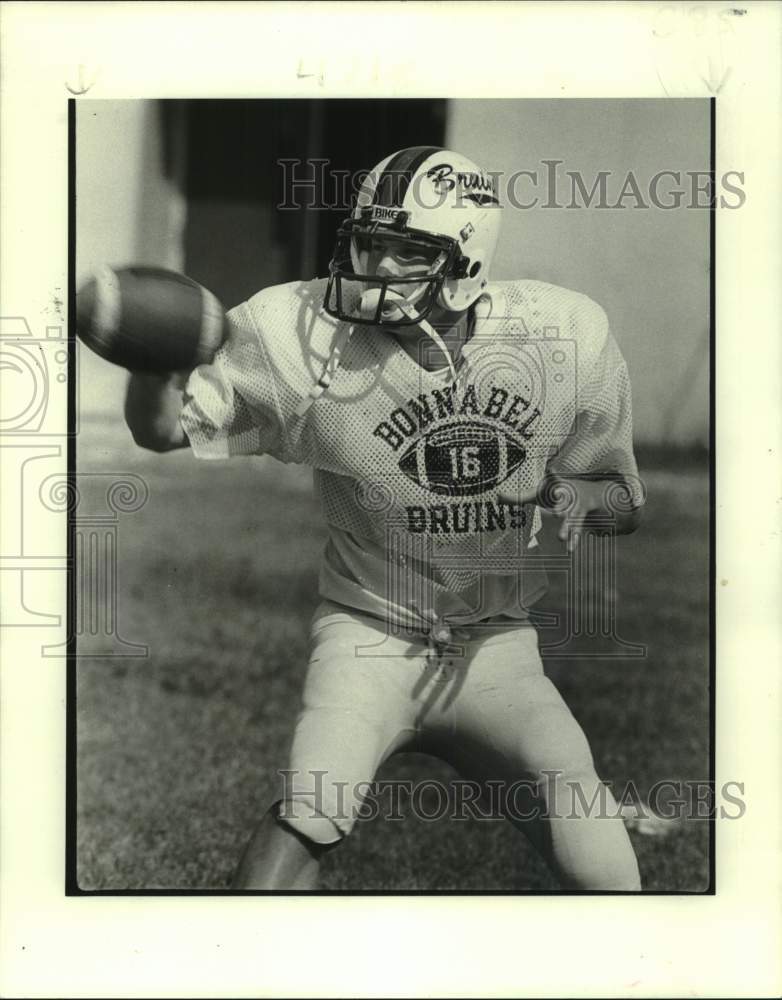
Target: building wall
(648, 268)
(127, 211)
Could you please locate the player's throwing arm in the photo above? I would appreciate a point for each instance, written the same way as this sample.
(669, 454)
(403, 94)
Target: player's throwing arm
(159, 325)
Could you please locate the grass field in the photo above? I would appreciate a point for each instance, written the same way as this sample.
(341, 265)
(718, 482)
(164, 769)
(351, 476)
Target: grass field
(177, 752)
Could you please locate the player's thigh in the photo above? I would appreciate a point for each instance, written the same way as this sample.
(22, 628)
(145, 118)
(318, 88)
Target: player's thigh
(512, 721)
(528, 756)
(353, 717)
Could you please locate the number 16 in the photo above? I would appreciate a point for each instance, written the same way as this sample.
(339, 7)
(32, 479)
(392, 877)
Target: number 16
(470, 465)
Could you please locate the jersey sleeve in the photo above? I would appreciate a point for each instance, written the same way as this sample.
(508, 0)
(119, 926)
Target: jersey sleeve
(231, 405)
(600, 442)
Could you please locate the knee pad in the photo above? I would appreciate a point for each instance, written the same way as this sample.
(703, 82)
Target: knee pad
(308, 822)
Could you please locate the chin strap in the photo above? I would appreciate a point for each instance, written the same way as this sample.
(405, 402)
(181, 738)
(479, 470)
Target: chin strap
(430, 331)
(328, 372)
(339, 345)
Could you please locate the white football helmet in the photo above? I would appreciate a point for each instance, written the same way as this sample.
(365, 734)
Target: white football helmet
(435, 211)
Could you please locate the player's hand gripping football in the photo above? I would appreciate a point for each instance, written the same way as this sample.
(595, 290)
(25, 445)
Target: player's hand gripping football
(583, 502)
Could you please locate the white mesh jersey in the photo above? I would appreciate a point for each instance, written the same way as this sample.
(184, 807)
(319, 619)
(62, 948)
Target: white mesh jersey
(427, 484)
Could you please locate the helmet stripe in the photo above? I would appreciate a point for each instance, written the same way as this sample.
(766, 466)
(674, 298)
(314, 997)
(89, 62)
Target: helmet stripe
(393, 183)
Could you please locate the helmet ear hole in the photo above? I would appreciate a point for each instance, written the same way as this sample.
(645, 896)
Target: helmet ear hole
(475, 268)
(460, 268)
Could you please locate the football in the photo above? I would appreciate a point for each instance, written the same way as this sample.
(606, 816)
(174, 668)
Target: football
(462, 459)
(149, 319)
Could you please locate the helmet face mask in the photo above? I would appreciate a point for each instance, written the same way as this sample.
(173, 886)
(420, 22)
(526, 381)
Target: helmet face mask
(395, 263)
(421, 236)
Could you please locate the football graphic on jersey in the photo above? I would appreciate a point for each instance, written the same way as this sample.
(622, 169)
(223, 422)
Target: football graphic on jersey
(462, 458)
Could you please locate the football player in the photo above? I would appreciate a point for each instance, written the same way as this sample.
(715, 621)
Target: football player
(440, 411)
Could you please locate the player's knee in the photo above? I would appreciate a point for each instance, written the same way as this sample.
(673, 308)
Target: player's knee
(561, 751)
(572, 789)
(309, 823)
(576, 765)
